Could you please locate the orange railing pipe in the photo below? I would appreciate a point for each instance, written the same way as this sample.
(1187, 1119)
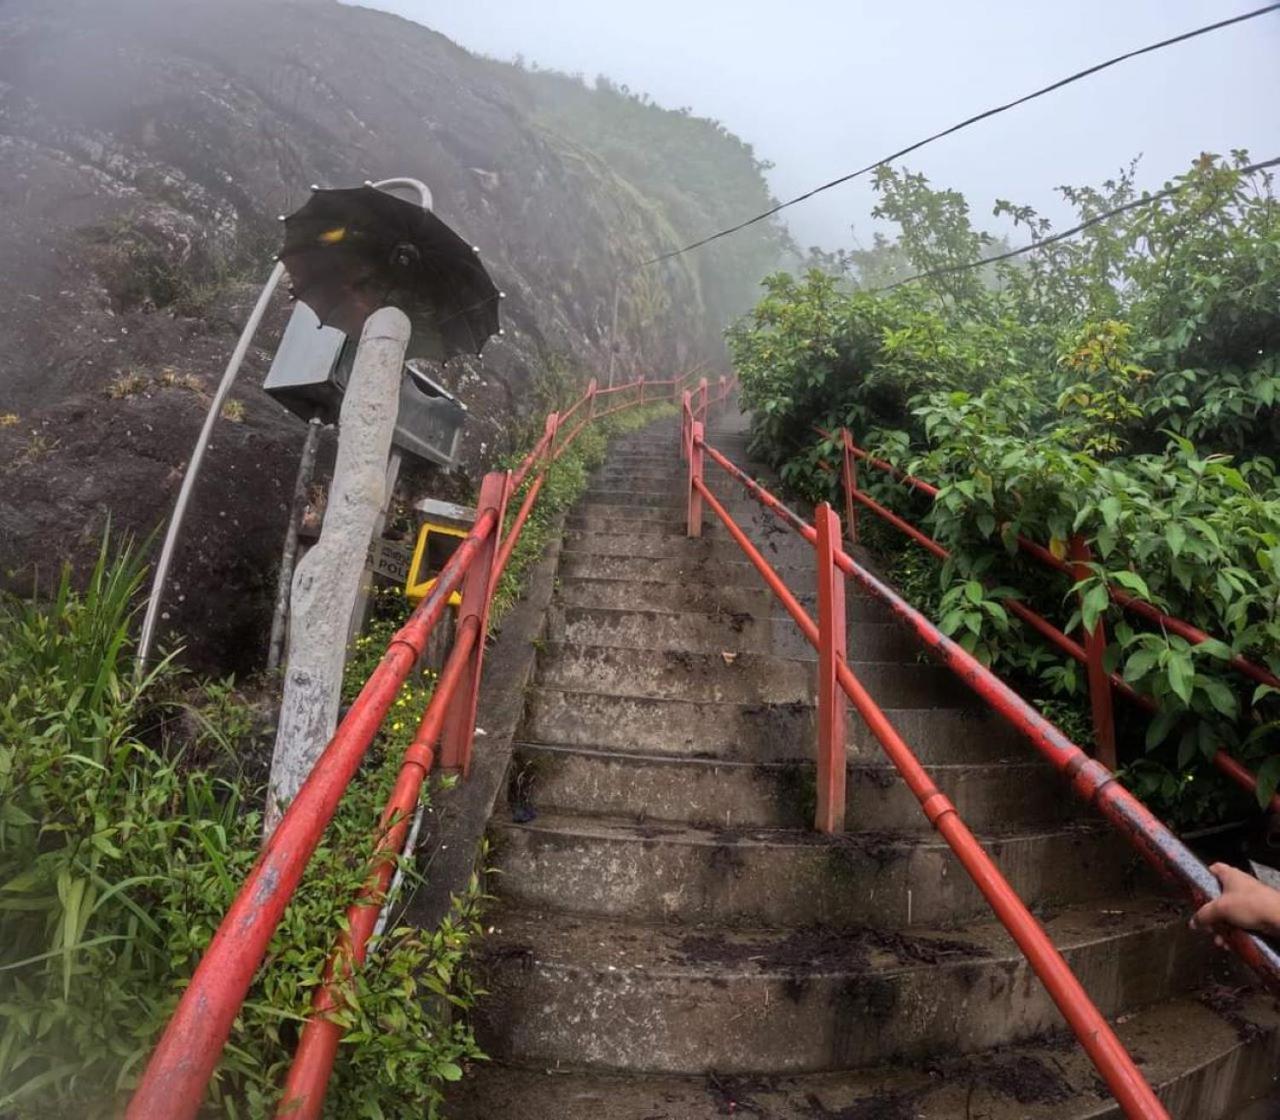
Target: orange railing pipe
(176, 1076)
(174, 1082)
(1092, 782)
(1105, 1050)
(312, 1066)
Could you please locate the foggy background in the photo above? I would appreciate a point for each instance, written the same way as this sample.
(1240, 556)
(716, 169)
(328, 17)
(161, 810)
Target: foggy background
(821, 87)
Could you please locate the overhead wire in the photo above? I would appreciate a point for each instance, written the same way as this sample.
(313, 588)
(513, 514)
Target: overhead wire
(1077, 76)
(1132, 204)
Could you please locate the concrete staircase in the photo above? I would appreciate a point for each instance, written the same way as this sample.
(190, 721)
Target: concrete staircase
(672, 942)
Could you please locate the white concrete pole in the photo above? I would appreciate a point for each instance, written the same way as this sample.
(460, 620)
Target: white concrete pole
(328, 577)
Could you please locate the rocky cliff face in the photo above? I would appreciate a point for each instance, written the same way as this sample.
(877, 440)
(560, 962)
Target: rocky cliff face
(146, 147)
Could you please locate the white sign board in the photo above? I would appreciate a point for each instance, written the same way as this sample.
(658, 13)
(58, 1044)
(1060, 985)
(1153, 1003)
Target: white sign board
(391, 559)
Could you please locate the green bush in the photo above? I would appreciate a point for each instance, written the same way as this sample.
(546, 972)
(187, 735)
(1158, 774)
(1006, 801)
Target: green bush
(119, 854)
(1121, 386)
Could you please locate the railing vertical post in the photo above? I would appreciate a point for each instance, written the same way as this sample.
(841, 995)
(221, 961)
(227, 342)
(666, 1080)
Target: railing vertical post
(686, 419)
(1095, 648)
(695, 476)
(702, 399)
(850, 479)
(591, 397)
(720, 391)
(549, 434)
(460, 716)
(832, 703)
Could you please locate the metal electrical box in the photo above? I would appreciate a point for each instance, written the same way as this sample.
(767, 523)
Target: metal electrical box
(310, 372)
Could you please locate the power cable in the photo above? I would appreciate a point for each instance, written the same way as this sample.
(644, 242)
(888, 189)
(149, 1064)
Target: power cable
(964, 124)
(1146, 199)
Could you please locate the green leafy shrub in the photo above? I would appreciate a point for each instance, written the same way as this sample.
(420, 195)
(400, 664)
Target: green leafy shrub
(1120, 386)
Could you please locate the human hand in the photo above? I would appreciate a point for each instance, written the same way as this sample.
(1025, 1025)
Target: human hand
(1244, 903)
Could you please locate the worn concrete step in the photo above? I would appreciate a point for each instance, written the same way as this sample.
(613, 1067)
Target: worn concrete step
(675, 546)
(755, 732)
(787, 878)
(741, 677)
(654, 458)
(645, 477)
(713, 571)
(660, 498)
(774, 543)
(597, 993)
(1206, 1054)
(713, 633)
(699, 598)
(549, 778)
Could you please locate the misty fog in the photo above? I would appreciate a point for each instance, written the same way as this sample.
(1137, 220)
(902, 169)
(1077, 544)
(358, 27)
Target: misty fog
(820, 87)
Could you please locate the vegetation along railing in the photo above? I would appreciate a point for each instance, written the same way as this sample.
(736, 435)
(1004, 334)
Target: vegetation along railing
(177, 1076)
(1103, 684)
(1092, 781)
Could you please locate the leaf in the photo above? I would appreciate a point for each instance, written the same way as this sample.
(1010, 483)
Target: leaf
(1140, 664)
(1220, 696)
(1159, 728)
(1093, 606)
(1181, 676)
(1131, 581)
(1268, 779)
(1175, 536)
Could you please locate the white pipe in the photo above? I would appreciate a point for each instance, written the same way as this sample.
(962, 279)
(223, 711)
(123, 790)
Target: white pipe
(406, 853)
(152, 615)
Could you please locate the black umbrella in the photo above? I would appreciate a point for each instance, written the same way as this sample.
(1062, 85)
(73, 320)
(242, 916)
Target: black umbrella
(350, 252)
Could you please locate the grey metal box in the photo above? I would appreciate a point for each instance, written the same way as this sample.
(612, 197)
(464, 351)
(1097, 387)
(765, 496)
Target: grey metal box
(312, 367)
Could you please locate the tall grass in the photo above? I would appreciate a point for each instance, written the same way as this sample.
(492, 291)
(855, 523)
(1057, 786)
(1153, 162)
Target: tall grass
(118, 857)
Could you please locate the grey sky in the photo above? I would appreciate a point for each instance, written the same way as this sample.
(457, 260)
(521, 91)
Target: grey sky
(820, 87)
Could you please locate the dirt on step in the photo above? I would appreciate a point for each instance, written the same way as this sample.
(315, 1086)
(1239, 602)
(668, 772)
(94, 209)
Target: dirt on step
(882, 1106)
(815, 949)
(1226, 1003)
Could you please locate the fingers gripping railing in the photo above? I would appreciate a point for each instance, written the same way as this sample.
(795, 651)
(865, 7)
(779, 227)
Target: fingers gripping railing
(1095, 1034)
(1091, 781)
(176, 1077)
(1102, 683)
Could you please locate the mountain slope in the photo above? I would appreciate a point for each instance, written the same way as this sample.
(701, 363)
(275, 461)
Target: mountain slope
(146, 148)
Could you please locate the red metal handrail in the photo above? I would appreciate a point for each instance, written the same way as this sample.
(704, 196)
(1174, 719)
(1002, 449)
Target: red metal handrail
(1101, 682)
(176, 1077)
(1104, 1049)
(1091, 781)
(183, 1061)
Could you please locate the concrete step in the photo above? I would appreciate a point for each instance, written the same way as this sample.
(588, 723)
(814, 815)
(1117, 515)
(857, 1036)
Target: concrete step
(787, 878)
(566, 990)
(622, 495)
(647, 476)
(1205, 1054)
(712, 633)
(674, 546)
(740, 677)
(771, 540)
(549, 778)
(755, 732)
(700, 598)
(670, 569)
